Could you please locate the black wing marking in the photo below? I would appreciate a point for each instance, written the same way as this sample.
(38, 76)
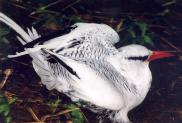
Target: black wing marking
(72, 44)
(45, 38)
(54, 59)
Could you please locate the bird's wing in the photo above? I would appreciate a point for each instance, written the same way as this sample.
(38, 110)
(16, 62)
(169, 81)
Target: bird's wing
(87, 32)
(53, 74)
(98, 30)
(95, 34)
(53, 70)
(85, 41)
(87, 46)
(91, 55)
(91, 31)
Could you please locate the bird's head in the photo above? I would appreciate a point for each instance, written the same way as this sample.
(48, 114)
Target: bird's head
(140, 53)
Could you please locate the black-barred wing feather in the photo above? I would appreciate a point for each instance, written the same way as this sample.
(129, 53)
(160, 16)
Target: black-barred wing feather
(99, 65)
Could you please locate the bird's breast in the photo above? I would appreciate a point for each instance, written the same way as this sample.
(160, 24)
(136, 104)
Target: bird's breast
(142, 80)
(93, 88)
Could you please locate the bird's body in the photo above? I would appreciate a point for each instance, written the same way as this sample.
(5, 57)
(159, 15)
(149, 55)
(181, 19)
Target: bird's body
(85, 65)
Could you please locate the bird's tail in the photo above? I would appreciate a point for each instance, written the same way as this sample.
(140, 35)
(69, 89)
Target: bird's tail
(24, 37)
(39, 63)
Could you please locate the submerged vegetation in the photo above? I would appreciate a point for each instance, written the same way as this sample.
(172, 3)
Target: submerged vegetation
(156, 24)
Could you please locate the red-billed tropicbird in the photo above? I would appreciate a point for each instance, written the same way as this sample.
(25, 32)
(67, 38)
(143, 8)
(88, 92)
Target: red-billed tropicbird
(85, 65)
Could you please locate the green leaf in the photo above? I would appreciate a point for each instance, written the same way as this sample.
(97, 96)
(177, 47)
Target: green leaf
(8, 119)
(147, 39)
(130, 30)
(6, 112)
(143, 27)
(76, 19)
(40, 10)
(76, 115)
(3, 32)
(53, 104)
(4, 109)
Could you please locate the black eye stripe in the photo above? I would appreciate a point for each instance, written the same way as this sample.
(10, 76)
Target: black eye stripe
(141, 58)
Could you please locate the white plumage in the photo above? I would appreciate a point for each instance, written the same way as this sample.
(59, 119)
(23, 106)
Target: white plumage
(85, 65)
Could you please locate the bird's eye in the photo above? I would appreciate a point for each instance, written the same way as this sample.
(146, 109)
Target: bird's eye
(141, 58)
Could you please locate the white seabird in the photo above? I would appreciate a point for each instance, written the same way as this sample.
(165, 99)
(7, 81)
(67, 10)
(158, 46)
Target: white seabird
(85, 65)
